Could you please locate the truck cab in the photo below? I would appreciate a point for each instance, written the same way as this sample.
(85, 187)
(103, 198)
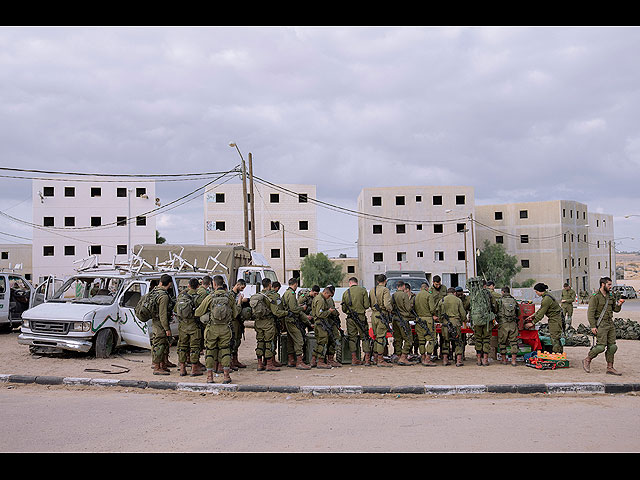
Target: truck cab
(95, 311)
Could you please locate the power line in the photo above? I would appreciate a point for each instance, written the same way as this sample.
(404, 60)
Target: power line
(124, 175)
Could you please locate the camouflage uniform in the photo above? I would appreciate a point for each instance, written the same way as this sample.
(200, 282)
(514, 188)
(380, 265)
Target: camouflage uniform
(508, 325)
(189, 336)
(566, 302)
(451, 306)
(380, 296)
(356, 300)
(159, 326)
(323, 321)
(551, 309)
(402, 340)
(425, 314)
(435, 295)
(606, 336)
(295, 319)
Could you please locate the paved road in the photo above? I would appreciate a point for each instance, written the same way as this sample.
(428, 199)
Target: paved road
(63, 419)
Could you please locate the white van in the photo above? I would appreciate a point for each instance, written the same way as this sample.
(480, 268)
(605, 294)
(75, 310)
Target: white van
(17, 295)
(94, 311)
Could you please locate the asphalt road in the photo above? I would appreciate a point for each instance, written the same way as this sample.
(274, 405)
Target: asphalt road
(69, 419)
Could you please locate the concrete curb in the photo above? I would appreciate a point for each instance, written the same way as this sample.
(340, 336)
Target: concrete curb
(216, 388)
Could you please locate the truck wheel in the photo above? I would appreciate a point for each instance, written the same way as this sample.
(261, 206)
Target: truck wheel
(104, 343)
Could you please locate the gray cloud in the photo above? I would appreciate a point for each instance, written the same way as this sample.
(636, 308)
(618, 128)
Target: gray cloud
(521, 114)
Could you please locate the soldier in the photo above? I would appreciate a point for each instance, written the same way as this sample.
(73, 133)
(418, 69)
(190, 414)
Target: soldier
(508, 313)
(493, 340)
(264, 326)
(238, 322)
(160, 330)
(305, 299)
(203, 290)
(483, 308)
(451, 314)
(602, 304)
(437, 292)
(380, 300)
(334, 318)
(221, 309)
(296, 324)
(402, 337)
(321, 311)
(355, 303)
(549, 307)
(566, 302)
(279, 313)
(189, 332)
(425, 328)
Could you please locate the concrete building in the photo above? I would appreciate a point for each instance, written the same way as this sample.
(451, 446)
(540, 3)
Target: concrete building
(16, 257)
(554, 241)
(602, 252)
(78, 218)
(424, 228)
(349, 266)
(275, 210)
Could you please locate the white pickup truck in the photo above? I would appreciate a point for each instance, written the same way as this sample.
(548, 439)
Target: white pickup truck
(94, 310)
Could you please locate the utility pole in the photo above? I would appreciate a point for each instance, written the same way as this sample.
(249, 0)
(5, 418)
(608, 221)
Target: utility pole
(244, 204)
(253, 212)
(466, 274)
(610, 261)
(473, 244)
(284, 266)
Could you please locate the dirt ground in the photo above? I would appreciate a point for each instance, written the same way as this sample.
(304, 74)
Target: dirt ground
(135, 364)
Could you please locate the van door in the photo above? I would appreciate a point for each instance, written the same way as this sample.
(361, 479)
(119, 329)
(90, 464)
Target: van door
(4, 299)
(43, 292)
(132, 330)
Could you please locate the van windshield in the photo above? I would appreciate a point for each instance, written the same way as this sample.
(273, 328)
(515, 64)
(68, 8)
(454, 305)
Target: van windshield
(100, 290)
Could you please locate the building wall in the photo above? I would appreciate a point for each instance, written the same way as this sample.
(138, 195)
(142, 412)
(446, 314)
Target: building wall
(224, 223)
(602, 252)
(349, 266)
(16, 254)
(552, 241)
(408, 239)
(64, 244)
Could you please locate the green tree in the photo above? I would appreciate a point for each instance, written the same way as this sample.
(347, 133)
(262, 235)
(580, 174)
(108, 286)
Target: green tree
(494, 263)
(317, 269)
(529, 282)
(159, 239)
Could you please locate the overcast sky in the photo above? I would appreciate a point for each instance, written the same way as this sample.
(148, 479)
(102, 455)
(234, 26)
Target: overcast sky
(520, 114)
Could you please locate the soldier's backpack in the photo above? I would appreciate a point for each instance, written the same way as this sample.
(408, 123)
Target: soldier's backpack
(302, 292)
(508, 306)
(220, 311)
(147, 307)
(258, 304)
(481, 312)
(185, 306)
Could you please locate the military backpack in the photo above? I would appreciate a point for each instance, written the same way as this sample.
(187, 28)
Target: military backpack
(508, 307)
(258, 304)
(220, 310)
(186, 306)
(147, 307)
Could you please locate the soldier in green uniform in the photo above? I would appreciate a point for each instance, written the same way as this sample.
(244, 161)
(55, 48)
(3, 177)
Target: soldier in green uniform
(483, 308)
(189, 332)
(451, 314)
(549, 307)
(203, 290)
(437, 292)
(305, 298)
(602, 304)
(493, 340)
(264, 326)
(160, 330)
(335, 323)
(278, 315)
(402, 337)
(507, 317)
(355, 302)
(321, 311)
(466, 303)
(423, 334)
(221, 308)
(380, 300)
(566, 302)
(296, 324)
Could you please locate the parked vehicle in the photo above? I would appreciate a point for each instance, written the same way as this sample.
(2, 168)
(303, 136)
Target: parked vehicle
(17, 295)
(626, 291)
(415, 278)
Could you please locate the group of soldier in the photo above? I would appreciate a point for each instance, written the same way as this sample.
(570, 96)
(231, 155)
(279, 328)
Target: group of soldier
(211, 319)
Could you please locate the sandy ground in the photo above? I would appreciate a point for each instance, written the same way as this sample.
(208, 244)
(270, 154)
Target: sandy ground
(16, 359)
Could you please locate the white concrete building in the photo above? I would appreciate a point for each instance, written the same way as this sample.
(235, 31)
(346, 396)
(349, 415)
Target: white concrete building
(16, 257)
(77, 218)
(424, 228)
(274, 210)
(554, 241)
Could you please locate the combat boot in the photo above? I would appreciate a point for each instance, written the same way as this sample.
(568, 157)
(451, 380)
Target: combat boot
(196, 369)
(586, 364)
(163, 366)
(479, 359)
(381, 362)
(168, 363)
(322, 364)
(227, 375)
(183, 369)
(367, 360)
(459, 360)
(300, 365)
(354, 359)
(513, 360)
(218, 367)
(445, 359)
(403, 360)
(209, 375)
(485, 360)
(291, 360)
(271, 365)
(332, 362)
(235, 362)
(504, 358)
(158, 370)
(275, 361)
(260, 364)
(314, 362)
(611, 370)
(427, 362)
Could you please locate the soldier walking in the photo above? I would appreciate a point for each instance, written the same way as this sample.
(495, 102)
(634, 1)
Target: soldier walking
(566, 302)
(602, 304)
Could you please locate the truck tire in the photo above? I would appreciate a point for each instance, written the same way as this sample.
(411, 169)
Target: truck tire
(104, 343)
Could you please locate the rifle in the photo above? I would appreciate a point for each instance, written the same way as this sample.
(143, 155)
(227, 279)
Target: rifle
(356, 318)
(453, 331)
(400, 319)
(383, 316)
(420, 322)
(327, 327)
